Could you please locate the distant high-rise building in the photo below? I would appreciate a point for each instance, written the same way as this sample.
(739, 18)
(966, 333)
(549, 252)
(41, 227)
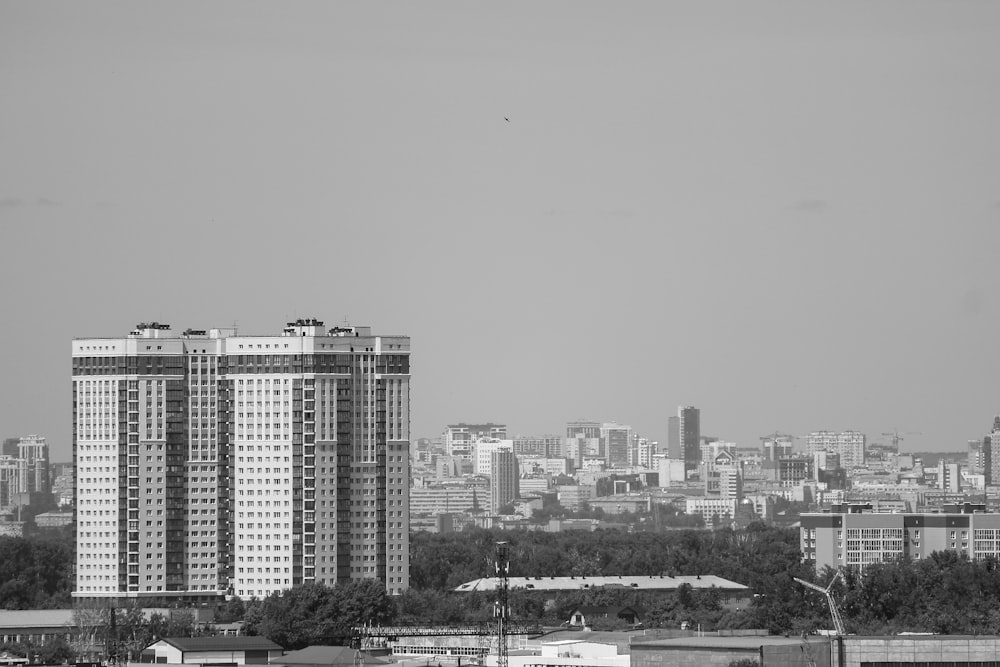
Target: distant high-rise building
(482, 454)
(615, 441)
(777, 447)
(689, 427)
(849, 444)
(211, 464)
(34, 455)
(991, 444)
(643, 452)
(583, 439)
(674, 438)
(10, 480)
(459, 438)
(976, 460)
(504, 478)
(547, 446)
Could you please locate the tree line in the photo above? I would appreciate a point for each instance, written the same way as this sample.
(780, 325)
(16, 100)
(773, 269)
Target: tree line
(945, 593)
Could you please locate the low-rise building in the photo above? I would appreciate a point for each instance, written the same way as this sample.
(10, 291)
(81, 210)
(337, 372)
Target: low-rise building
(238, 650)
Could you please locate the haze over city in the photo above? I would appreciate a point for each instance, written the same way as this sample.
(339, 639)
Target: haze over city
(785, 214)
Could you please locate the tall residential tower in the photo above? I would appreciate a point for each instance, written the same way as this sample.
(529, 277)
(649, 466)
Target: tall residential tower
(689, 431)
(210, 463)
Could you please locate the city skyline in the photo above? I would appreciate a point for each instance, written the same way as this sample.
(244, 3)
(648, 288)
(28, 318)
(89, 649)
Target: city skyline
(785, 214)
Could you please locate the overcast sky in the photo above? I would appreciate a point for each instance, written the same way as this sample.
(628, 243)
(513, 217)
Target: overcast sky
(784, 213)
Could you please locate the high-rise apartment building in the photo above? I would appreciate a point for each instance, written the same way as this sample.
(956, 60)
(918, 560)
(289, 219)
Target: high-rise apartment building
(689, 429)
(849, 444)
(674, 438)
(504, 477)
(616, 440)
(482, 454)
(547, 446)
(583, 439)
(210, 463)
(34, 453)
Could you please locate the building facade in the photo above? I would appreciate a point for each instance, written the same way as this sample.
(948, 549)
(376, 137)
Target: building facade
(460, 438)
(849, 444)
(616, 440)
(210, 463)
(504, 478)
(689, 428)
(855, 536)
(34, 454)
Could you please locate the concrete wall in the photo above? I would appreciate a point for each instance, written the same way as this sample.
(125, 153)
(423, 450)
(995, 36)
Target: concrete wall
(814, 651)
(659, 656)
(938, 648)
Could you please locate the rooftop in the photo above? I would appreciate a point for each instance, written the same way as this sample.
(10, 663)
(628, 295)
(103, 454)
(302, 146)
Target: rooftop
(648, 583)
(238, 643)
(746, 642)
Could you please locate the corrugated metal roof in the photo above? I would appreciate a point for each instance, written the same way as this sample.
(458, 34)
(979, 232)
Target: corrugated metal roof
(658, 583)
(238, 643)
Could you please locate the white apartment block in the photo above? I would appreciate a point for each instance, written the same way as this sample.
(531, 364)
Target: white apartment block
(849, 444)
(483, 449)
(709, 508)
(459, 439)
(210, 463)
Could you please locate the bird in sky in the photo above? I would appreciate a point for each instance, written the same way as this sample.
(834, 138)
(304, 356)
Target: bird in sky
(506, 119)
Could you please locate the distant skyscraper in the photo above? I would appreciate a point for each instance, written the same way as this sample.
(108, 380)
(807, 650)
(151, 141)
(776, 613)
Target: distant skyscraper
(34, 455)
(976, 457)
(482, 453)
(689, 427)
(503, 479)
(643, 452)
(583, 439)
(992, 454)
(674, 450)
(615, 441)
(210, 463)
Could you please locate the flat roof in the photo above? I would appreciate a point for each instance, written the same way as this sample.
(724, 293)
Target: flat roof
(35, 618)
(648, 583)
(740, 642)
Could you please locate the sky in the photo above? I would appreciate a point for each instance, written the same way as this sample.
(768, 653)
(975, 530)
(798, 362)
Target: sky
(786, 214)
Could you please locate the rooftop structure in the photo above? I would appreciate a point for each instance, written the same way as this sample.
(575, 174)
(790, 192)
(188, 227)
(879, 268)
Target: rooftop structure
(639, 582)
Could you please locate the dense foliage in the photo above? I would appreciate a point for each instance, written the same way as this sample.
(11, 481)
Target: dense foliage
(945, 593)
(317, 614)
(36, 572)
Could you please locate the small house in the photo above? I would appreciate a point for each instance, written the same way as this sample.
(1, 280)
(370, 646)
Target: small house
(585, 616)
(216, 651)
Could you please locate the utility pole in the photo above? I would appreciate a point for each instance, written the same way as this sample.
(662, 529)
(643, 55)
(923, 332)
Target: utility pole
(501, 609)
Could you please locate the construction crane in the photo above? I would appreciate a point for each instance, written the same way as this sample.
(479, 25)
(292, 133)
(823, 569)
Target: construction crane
(838, 622)
(897, 437)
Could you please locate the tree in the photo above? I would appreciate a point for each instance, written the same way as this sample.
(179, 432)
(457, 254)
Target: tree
(317, 614)
(55, 652)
